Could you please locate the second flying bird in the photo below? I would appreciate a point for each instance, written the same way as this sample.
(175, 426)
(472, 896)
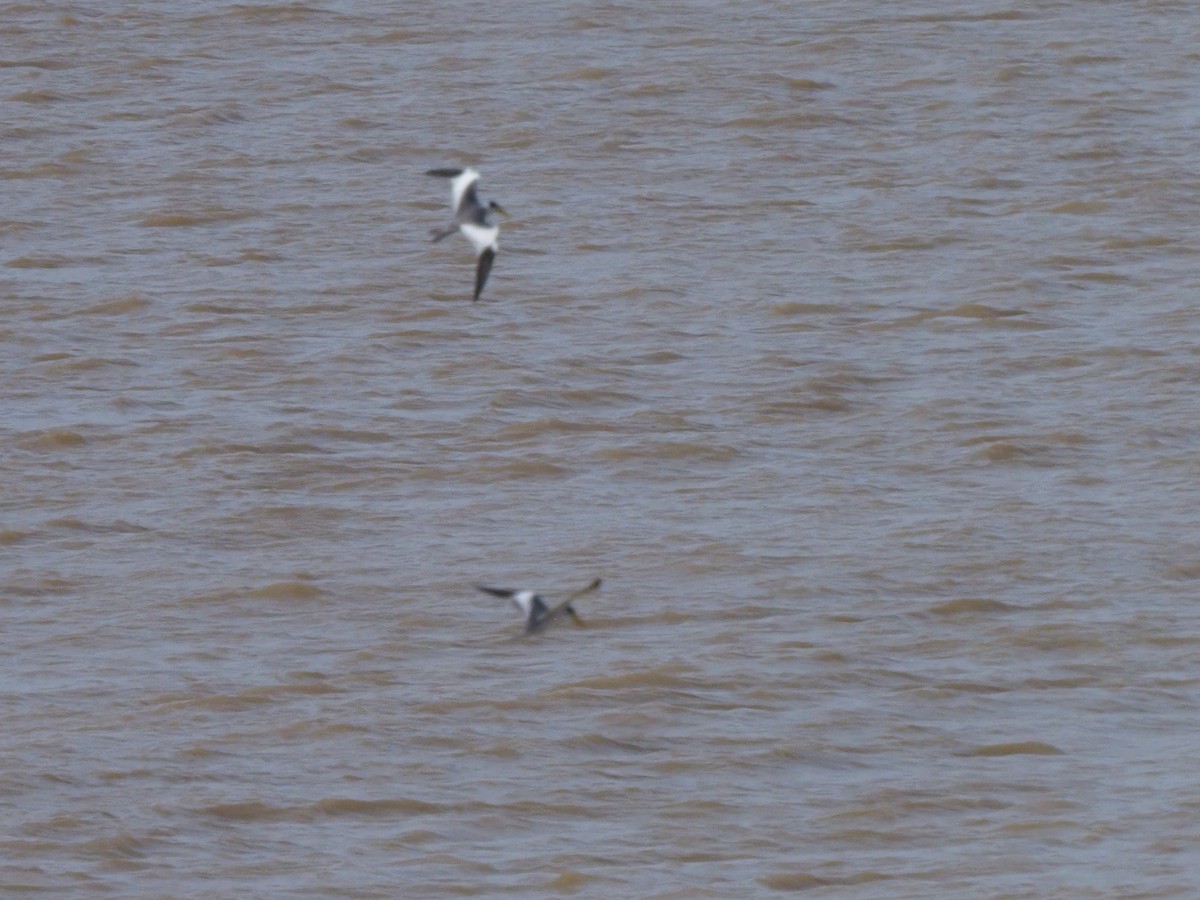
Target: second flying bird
(473, 218)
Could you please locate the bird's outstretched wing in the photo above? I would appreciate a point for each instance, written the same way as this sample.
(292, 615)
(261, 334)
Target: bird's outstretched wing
(564, 608)
(482, 268)
(506, 593)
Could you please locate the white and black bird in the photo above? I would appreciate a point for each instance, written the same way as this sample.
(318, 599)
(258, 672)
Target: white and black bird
(473, 218)
(538, 614)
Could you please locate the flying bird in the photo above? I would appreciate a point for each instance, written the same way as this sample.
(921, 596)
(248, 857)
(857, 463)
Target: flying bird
(537, 613)
(473, 218)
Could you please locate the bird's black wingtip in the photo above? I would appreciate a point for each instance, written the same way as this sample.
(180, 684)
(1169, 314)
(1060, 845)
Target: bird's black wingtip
(482, 268)
(444, 173)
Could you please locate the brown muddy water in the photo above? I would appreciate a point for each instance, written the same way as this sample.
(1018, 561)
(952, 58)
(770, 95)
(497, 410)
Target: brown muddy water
(853, 344)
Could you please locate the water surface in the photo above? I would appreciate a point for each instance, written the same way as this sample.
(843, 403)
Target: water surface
(849, 342)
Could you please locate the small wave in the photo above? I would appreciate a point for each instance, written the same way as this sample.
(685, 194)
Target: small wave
(401, 806)
(967, 606)
(1015, 748)
(287, 590)
(51, 439)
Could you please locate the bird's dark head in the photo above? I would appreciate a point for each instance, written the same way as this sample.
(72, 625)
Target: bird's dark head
(497, 208)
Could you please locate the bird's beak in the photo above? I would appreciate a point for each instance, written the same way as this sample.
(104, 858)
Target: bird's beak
(500, 209)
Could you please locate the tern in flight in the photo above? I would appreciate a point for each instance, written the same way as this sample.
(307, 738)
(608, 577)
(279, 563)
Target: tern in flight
(537, 613)
(473, 218)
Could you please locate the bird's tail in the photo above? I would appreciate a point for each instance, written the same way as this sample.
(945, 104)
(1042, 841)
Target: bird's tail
(438, 233)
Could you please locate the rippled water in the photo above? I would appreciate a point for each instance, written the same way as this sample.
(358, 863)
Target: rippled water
(851, 343)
